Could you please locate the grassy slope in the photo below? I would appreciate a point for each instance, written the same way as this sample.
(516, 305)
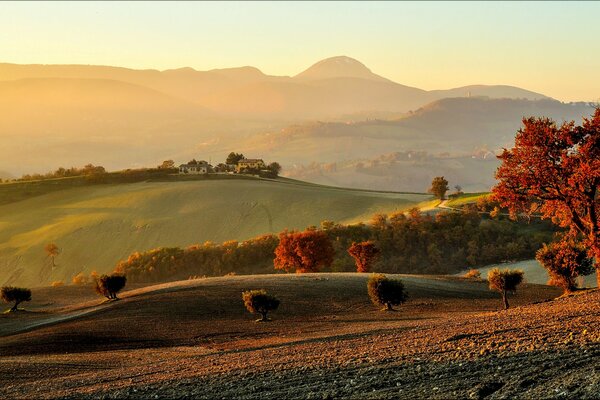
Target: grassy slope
(98, 225)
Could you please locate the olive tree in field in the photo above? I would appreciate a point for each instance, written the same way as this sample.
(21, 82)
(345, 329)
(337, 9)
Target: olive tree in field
(259, 302)
(565, 261)
(110, 285)
(386, 292)
(18, 295)
(52, 251)
(505, 281)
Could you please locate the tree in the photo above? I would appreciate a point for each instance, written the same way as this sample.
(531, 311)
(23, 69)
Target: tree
(439, 187)
(110, 285)
(364, 254)
(505, 281)
(555, 170)
(275, 168)
(167, 164)
(307, 251)
(234, 158)
(386, 292)
(259, 302)
(565, 261)
(52, 250)
(16, 294)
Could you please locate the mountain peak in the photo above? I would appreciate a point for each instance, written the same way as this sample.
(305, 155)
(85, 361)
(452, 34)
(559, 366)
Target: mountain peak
(338, 67)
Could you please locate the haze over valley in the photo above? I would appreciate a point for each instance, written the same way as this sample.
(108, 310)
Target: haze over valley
(336, 122)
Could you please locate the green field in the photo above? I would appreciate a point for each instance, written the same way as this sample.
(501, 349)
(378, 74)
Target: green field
(96, 225)
(465, 198)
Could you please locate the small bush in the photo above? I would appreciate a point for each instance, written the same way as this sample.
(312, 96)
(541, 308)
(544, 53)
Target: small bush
(386, 292)
(57, 283)
(110, 285)
(18, 295)
(505, 281)
(473, 274)
(259, 302)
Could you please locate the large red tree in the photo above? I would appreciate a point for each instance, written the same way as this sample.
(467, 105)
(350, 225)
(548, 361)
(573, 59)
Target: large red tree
(307, 251)
(555, 170)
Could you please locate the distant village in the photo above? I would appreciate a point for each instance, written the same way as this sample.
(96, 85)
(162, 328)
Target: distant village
(234, 164)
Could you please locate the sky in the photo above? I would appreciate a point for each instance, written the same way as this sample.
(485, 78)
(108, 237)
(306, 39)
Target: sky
(547, 47)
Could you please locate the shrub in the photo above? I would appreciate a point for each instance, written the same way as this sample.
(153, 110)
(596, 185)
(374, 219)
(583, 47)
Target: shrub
(565, 261)
(473, 274)
(364, 254)
(18, 295)
(259, 302)
(386, 292)
(110, 285)
(505, 281)
(57, 283)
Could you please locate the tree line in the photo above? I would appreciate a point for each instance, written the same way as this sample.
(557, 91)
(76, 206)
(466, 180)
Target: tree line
(410, 242)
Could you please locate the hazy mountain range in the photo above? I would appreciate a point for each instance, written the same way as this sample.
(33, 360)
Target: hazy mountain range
(63, 115)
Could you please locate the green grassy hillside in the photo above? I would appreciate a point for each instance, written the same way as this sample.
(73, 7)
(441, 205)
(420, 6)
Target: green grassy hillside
(97, 225)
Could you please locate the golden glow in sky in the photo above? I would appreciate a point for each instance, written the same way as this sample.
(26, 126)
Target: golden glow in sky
(547, 47)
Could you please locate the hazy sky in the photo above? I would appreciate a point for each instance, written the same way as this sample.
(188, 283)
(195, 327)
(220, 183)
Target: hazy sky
(548, 47)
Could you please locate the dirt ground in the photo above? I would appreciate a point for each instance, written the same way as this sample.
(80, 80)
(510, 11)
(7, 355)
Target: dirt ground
(194, 339)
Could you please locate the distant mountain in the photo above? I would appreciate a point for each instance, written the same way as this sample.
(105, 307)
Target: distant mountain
(339, 67)
(328, 89)
(121, 118)
(455, 137)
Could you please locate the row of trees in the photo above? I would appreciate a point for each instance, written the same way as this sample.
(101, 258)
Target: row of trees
(385, 292)
(399, 243)
(105, 285)
(87, 170)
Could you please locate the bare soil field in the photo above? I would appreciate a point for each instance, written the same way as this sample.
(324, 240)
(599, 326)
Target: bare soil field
(194, 339)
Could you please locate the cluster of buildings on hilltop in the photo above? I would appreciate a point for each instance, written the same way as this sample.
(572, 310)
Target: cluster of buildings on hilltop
(202, 167)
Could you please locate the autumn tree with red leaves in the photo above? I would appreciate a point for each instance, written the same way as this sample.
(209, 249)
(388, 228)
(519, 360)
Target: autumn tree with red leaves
(308, 251)
(555, 170)
(364, 254)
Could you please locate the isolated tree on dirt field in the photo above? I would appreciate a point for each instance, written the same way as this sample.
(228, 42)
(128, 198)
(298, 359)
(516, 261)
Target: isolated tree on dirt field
(555, 170)
(307, 251)
(259, 302)
(439, 187)
(18, 295)
(565, 261)
(234, 158)
(364, 254)
(386, 292)
(110, 285)
(52, 250)
(505, 281)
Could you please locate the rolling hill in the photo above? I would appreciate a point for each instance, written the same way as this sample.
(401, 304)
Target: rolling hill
(65, 115)
(456, 138)
(97, 225)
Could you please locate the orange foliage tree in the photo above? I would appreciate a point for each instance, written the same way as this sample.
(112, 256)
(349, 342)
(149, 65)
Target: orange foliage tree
(364, 254)
(555, 170)
(308, 251)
